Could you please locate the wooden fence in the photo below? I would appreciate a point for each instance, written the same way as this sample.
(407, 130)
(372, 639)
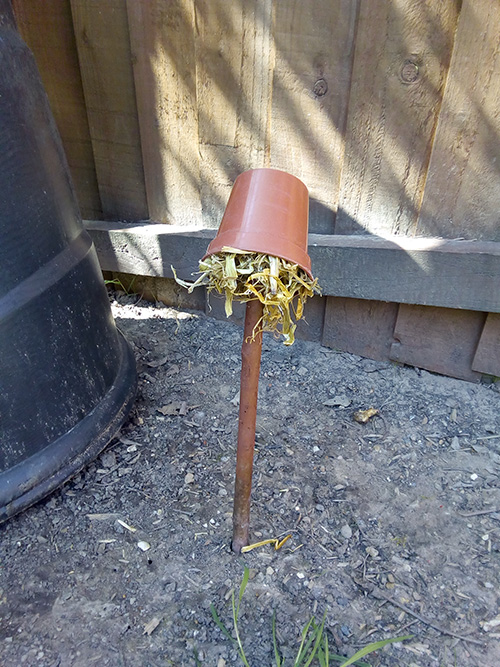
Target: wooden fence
(388, 110)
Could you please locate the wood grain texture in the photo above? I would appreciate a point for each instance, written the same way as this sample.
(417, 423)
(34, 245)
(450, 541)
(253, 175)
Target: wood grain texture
(403, 50)
(438, 339)
(219, 36)
(102, 39)
(462, 194)
(256, 79)
(433, 272)
(149, 249)
(314, 44)
(163, 53)
(360, 327)
(47, 28)
(233, 86)
(487, 357)
(219, 30)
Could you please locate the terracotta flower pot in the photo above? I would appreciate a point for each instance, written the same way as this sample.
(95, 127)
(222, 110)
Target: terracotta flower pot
(268, 213)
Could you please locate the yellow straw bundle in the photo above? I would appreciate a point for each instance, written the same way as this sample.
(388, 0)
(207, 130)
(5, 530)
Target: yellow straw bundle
(281, 287)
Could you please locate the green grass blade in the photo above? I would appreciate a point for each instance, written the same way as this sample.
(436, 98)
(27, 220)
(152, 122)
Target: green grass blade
(301, 651)
(327, 656)
(235, 622)
(244, 582)
(319, 634)
(219, 623)
(321, 657)
(275, 643)
(373, 647)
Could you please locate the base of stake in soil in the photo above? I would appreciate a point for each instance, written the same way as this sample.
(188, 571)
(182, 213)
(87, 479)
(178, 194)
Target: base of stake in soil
(259, 256)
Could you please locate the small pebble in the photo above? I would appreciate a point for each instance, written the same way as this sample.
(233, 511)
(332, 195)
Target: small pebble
(338, 401)
(346, 532)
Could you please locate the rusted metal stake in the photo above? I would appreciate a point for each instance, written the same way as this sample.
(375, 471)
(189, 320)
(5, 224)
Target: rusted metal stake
(251, 351)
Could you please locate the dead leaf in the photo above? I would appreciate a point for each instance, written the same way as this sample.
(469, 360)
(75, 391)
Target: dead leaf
(150, 627)
(174, 408)
(170, 409)
(173, 370)
(362, 416)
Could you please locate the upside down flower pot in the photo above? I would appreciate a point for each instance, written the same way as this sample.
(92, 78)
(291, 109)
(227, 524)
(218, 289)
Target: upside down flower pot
(67, 376)
(267, 213)
(260, 251)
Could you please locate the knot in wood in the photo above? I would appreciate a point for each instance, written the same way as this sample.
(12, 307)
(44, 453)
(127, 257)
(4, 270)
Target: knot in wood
(320, 88)
(409, 71)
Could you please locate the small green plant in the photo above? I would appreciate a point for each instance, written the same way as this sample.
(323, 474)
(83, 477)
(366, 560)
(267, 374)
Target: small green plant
(118, 283)
(314, 640)
(400, 541)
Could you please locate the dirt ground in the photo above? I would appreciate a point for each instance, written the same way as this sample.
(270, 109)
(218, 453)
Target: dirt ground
(395, 523)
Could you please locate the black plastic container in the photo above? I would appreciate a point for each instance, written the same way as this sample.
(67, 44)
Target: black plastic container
(67, 377)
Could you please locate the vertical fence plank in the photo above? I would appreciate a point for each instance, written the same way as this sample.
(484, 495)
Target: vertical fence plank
(313, 46)
(462, 194)
(234, 58)
(403, 50)
(219, 36)
(442, 340)
(47, 28)
(163, 53)
(218, 68)
(487, 357)
(257, 67)
(102, 39)
(360, 327)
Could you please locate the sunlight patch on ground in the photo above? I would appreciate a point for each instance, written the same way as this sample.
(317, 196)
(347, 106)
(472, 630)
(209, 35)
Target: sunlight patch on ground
(145, 313)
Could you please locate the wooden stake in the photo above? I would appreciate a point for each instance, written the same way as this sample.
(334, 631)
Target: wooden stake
(251, 351)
